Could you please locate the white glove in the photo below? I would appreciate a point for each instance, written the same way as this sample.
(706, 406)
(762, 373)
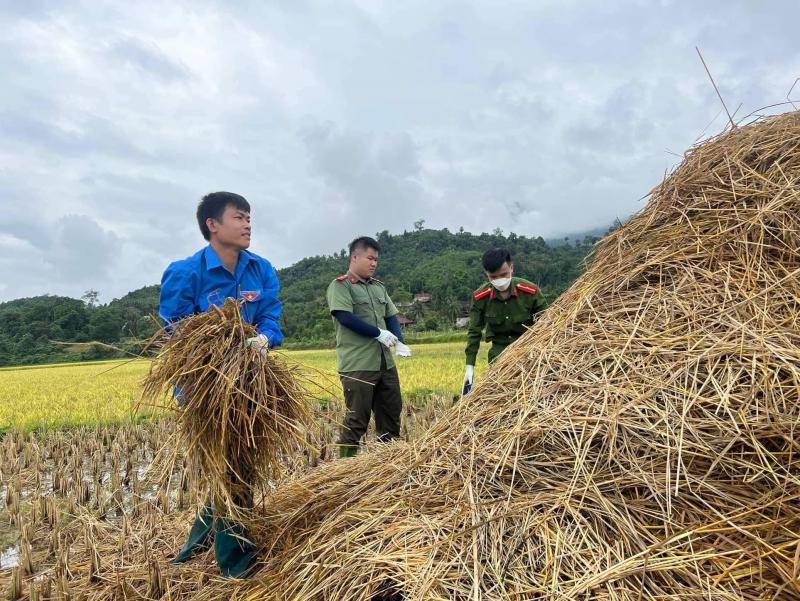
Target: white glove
(386, 338)
(259, 343)
(468, 375)
(402, 350)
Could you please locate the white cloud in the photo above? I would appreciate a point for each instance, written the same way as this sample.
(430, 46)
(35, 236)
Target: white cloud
(337, 120)
(81, 251)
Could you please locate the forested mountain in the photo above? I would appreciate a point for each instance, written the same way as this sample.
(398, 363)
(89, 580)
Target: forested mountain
(443, 264)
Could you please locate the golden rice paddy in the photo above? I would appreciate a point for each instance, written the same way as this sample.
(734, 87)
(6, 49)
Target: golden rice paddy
(107, 392)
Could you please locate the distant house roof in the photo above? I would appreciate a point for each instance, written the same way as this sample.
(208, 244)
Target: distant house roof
(405, 321)
(422, 297)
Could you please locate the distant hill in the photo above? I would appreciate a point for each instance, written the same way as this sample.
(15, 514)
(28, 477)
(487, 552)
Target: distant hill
(444, 264)
(440, 262)
(571, 237)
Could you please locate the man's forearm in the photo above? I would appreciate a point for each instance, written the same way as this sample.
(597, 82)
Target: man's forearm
(356, 324)
(170, 323)
(272, 330)
(393, 325)
(473, 346)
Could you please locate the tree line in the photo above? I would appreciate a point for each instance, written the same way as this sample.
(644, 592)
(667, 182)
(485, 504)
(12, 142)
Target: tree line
(444, 264)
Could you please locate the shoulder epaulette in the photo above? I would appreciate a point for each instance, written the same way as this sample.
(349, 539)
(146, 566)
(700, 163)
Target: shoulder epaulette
(344, 277)
(377, 281)
(483, 293)
(529, 288)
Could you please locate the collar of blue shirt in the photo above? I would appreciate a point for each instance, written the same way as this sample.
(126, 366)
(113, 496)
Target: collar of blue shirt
(213, 261)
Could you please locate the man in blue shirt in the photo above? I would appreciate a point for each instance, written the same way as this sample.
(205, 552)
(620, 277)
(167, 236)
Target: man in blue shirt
(223, 269)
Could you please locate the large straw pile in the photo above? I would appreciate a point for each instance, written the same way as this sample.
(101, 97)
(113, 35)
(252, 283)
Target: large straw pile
(638, 443)
(241, 410)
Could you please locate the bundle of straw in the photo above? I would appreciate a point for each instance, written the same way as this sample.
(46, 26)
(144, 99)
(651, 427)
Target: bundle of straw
(241, 410)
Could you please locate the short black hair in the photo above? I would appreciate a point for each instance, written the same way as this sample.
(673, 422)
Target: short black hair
(493, 259)
(363, 243)
(212, 206)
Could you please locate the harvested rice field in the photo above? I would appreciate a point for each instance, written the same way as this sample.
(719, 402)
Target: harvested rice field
(78, 447)
(64, 489)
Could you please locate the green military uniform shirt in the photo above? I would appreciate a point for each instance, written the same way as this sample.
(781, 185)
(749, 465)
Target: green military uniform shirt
(504, 320)
(368, 301)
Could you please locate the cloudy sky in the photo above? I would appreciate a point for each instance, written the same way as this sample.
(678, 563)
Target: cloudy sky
(337, 119)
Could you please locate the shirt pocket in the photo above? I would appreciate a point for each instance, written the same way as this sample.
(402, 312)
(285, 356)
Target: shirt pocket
(215, 297)
(493, 314)
(361, 305)
(495, 319)
(380, 306)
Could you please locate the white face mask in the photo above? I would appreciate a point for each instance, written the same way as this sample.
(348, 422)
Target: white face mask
(501, 284)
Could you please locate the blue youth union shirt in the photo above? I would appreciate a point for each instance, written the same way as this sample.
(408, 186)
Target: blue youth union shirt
(193, 284)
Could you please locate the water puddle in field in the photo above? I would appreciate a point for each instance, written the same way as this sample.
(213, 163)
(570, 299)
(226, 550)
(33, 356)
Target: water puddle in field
(9, 558)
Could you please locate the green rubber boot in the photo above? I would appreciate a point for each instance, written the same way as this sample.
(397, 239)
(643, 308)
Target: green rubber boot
(347, 451)
(198, 535)
(233, 548)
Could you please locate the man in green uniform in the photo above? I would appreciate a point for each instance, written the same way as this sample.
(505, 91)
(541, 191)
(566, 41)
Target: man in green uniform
(505, 307)
(366, 329)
